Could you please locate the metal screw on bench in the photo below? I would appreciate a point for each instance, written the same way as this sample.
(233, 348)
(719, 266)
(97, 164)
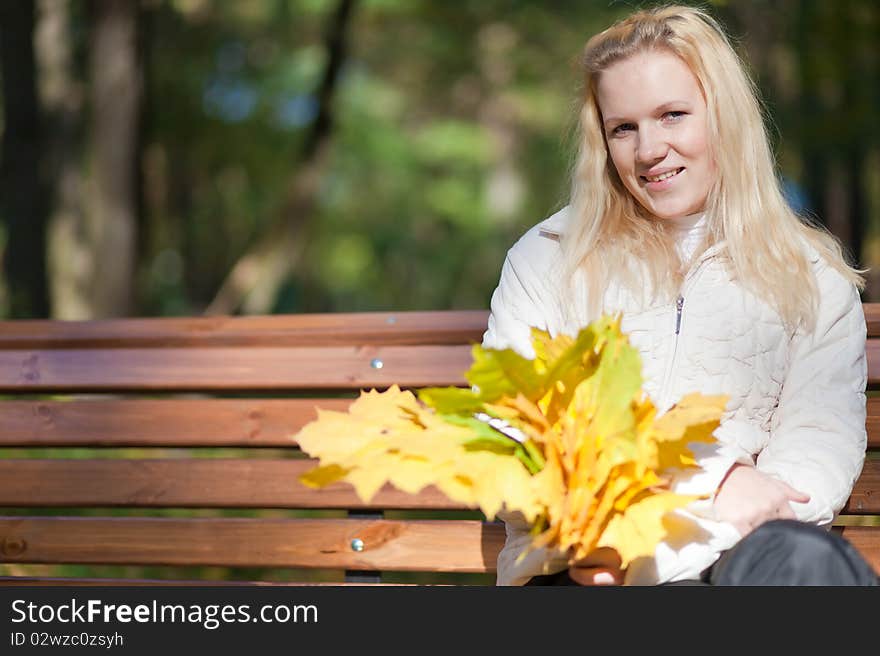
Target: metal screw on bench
(358, 545)
(376, 363)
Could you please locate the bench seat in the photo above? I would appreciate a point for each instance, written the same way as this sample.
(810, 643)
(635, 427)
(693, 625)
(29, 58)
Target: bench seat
(159, 451)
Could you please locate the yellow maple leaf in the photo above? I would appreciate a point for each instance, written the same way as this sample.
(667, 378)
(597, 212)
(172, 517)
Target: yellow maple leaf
(636, 531)
(321, 476)
(692, 419)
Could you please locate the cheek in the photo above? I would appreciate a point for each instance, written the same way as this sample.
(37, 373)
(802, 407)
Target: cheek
(700, 154)
(622, 163)
(696, 146)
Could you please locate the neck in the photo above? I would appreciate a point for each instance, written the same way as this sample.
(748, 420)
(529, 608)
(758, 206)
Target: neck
(684, 222)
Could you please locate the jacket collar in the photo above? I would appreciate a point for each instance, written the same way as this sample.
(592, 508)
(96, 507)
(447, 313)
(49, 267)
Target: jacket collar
(555, 226)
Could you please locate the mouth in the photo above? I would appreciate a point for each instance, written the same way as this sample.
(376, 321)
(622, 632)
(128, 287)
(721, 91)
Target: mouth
(662, 176)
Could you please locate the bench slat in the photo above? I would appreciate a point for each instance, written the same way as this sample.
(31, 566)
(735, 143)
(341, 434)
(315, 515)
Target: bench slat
(865, 497)
(376, 328)
(236, 483)
(444, 546)
(159, 422)
(420, 327)
(867, 540)
(872, 351)
(187, 422)
(194, 369)
(872, 318)
(426, 545)
(250, 368)
(872, 424)
(198, 483)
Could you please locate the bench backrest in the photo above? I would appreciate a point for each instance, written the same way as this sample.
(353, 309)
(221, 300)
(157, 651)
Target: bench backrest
(166, 442)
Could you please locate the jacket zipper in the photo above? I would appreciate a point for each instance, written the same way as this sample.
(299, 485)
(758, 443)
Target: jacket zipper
(679, 310)
(679, 304)
(667, 379)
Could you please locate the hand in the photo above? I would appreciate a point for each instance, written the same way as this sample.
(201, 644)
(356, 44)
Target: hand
(602, 567)
(747, 498)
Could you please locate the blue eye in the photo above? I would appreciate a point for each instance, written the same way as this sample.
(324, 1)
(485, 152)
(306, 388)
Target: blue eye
(623, 127)
(674, 115)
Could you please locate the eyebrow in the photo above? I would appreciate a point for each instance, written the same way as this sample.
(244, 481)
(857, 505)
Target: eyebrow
(665, 107)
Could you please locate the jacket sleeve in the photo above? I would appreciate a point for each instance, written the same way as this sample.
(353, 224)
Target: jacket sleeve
(518, 303)
(818, 439)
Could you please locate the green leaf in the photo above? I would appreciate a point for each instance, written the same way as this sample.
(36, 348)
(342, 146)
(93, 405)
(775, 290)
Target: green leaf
(505, 448)
(482, 430)
(489, 439)
(617, 380)
(504, 373)
(451, 400)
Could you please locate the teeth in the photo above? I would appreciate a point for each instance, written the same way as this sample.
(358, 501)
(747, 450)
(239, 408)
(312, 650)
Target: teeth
(662, 176)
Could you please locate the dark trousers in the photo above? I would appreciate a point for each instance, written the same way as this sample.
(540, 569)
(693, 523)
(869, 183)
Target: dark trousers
(781, 552)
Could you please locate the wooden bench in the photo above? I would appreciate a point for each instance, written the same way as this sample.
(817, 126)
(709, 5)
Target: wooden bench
(159, 449)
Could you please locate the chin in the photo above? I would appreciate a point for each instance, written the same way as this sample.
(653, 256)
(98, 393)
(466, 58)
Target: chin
(661, 215)
(673, 212)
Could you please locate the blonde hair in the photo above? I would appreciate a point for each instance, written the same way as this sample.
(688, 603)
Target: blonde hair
(745, 208)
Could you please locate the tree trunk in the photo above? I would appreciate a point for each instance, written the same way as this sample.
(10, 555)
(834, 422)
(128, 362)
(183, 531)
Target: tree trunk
(116, 97)
(505, 187)
(22, 189)
(854, 67)
(70, 262)
(816, 170)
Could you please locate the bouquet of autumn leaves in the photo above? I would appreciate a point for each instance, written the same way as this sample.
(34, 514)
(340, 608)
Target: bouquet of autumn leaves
(568, 439)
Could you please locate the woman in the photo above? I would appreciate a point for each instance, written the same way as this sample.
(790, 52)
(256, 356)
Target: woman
(677, 221)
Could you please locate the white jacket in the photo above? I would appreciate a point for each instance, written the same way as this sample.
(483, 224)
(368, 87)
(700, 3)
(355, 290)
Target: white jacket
(797, 406)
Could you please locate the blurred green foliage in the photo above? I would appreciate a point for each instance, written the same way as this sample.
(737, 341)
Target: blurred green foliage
(449, 138)
(447, 145)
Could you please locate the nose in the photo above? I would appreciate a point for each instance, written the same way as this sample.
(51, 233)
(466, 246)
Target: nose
(651, 146)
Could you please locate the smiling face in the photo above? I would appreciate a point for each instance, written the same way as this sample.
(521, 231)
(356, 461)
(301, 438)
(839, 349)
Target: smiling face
(654, 118)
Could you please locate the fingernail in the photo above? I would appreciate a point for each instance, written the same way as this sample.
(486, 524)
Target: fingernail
(603, 578)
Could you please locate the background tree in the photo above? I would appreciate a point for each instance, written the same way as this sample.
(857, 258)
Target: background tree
(116, 83)
(69, 256)
(22, 187)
